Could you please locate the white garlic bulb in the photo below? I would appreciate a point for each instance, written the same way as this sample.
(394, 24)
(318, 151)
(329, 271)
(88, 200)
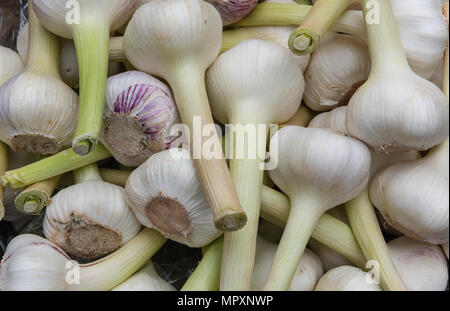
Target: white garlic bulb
(38, 111)
(330, 259)
(146, 279)
(90, 219)
(422, 266)
(32, 263)
(413, 196)
(233, 11)
(347, 278)
(10, 64)
(138, 116)
(166, 194)
(337, 68)
(308, 273)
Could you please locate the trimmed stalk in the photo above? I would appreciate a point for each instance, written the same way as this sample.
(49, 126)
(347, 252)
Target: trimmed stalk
(275, 14)
(3, 168)
(36, 197)
(366, 229)
(52, 166)
(323, 14)
(117, 177)
(206, 277)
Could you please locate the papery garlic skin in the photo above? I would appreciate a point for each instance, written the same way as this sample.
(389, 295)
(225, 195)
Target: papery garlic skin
(146, 279)
(138, 117)
(90, 219)
(431, 32)
(308, 273)
(10, 64)
(422, 266)
(337, 68)
(165, 194)
(413, 197)
(347, 278)
(233, 11)
(32, 263)
(22, 42)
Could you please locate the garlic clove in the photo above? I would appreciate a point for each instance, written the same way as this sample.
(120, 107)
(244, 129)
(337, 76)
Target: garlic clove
(308, 272)
(336, 69)
(346, 278)
(166, 194)
(422, 266)
(146, 279)
(90, 219)
(413, 196)
(138, 116)
(10, 64)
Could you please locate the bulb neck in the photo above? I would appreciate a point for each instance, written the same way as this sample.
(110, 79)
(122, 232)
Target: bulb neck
(43, 50)
(87, 173)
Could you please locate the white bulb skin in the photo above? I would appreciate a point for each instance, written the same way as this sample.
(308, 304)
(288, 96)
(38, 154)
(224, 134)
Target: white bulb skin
(88, 212)
(308, 272)
(413, 198)
(333, 171)
(330, 259)
(346, 278)
(138, 117)
(250, 79)
(32, 263)
(336, 69)
(52, 13)
(10, 64)
(146, 279)
(192, 30)
(233, 11)
(422, 266)
(165, 194)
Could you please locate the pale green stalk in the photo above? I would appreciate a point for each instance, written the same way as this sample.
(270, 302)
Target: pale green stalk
(110, 271)
(52, 166)
(275, 14)
(206, 277)
(117, 177)
(306, 38)
(87, 173)
(364, 223)
(33, 199)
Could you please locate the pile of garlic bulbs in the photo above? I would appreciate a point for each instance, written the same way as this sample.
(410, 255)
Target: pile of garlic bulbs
(296, 147)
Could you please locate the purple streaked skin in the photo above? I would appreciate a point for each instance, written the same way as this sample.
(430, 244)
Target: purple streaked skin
(233, 11)
(152, 107)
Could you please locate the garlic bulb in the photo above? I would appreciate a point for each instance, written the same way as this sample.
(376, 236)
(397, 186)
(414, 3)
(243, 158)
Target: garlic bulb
(413, 196)
(233, 10)
(146, 279)
(89, 24)
(32, 263)
(138, 116)
(330, 259)
(334, 169)
(90, 219)
(193, 32)
(10, 64)
(336, 69)
(422, 266)
(346, 278)
(395, 110)
(308, 273)
(165, 194)
(277, 34)
(38, 111)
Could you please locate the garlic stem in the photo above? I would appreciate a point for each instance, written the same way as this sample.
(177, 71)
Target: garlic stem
(91, 41)
(116, 51)
(322, 15)
(3, 168)
(52, 166)
(206, 276)
(87, 173)
(275, 14)
(329, 231)
(117, 177)
(385, 47)
(36, 197)
(303, 217)
(108, 272)
(366, 229)
(239, 247)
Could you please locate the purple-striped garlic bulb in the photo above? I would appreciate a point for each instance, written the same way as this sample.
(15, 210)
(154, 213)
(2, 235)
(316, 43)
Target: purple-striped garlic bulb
(138, 116)
(233, 11)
